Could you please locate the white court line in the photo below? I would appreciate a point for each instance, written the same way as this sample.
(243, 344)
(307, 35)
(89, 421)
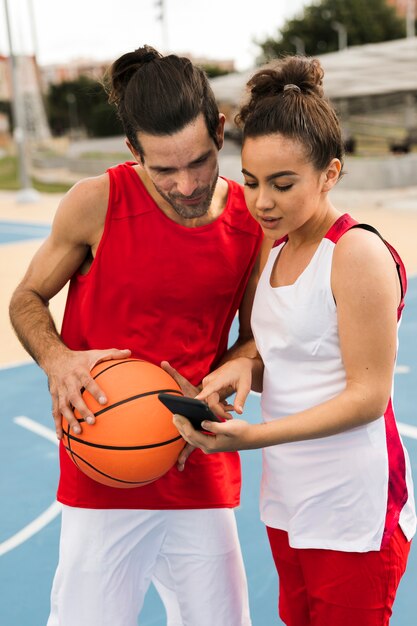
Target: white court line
(407, 430)
(10, 366)
(36, 428)
(51, 512)
(31, 529)
(17, 229)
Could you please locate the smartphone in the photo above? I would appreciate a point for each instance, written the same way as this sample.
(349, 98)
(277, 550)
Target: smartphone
(194, 410)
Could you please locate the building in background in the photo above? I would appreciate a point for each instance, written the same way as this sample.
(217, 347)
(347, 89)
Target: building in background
(57, 73)
(402, 6)
(408, 10)
(373, 86)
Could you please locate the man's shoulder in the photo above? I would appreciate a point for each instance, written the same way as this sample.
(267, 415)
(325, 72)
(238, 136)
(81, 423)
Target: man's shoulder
(237, 212)
(83, 208)
(233, 185)
(94, 189)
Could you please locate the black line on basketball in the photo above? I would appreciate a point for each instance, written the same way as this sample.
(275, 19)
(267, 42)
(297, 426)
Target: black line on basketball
(72, 453)
(139, 395)
(119, 480)
(116, 364)
(160, 444)
(80, 420)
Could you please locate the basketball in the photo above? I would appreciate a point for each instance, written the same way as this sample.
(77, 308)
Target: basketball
(133, 441)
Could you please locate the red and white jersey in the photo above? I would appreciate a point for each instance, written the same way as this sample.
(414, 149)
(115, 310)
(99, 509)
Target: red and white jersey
(344, 492)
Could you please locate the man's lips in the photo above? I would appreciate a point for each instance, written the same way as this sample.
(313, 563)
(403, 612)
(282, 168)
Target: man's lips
(191, 201)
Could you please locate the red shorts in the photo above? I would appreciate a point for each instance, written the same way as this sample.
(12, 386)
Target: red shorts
(323, 587)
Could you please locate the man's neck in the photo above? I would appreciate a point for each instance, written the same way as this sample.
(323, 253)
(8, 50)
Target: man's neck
(217, 205)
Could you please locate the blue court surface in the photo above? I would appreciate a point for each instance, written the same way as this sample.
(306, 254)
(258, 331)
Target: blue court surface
(11, 232)
(29, 524)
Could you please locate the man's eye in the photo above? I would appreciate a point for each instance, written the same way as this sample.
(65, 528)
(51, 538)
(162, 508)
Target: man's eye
(199, 163)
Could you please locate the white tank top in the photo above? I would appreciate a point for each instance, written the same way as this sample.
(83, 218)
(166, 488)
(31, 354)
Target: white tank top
(344, 492)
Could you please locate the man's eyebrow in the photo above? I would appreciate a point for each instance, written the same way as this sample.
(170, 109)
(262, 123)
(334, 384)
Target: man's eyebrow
(161, 168)
(164, 168)
(272, 176)
(202, 157)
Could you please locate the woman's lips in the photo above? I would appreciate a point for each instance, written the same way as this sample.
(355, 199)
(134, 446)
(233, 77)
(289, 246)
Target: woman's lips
(269, 222)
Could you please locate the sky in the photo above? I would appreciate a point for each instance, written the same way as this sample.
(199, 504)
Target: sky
(61, 31)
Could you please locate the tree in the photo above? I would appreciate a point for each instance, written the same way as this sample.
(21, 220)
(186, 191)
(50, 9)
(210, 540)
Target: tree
(6, 108)
(212, 70)
(81, 104)
(365, 22)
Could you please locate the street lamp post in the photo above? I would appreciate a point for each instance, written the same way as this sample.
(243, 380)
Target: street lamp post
(341, 33)
(26, 193)
(161, 7)
(411, 18)
(72, 114)
(299, 45)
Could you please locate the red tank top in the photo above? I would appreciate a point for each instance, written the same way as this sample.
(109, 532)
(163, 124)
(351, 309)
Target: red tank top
(167, 292)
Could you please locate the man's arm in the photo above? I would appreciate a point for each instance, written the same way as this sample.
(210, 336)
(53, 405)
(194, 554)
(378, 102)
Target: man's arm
(76, 232)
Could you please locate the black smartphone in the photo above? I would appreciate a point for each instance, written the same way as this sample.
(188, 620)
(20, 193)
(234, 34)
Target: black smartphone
(194, 410)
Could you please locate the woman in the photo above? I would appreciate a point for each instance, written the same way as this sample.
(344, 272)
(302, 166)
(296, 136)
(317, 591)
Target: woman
(336, 493)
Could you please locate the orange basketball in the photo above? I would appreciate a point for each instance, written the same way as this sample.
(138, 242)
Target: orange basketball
(133, 441)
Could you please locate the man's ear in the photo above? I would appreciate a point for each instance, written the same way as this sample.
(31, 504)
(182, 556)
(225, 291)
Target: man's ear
(136, 155)
(220, 131)
(332, 174)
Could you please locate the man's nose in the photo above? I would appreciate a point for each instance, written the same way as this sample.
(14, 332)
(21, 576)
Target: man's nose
(186, 183)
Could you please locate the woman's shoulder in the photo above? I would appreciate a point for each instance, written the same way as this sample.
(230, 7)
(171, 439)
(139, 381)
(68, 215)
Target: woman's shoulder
(361, 244)
(362, 263)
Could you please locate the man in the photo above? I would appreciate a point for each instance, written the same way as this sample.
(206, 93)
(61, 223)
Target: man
(160, 254)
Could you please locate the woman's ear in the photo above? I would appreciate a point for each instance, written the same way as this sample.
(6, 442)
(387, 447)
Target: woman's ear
(332, 174)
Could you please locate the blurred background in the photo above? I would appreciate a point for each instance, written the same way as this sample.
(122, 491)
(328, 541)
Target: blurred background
(56, 127)
(54, 111)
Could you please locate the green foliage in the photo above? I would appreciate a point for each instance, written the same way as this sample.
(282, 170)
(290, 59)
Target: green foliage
(213, 70)
(9, 178)
(103, 121)
(366, 22)
(81, 105)
(6, 107)
(8, 173)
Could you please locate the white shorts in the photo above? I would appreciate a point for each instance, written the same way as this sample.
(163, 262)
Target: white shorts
(108, 558)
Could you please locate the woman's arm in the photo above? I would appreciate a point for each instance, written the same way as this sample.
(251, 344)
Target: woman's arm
(366, 290)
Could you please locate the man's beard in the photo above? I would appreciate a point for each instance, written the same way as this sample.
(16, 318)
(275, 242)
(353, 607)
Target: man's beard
(193, 211)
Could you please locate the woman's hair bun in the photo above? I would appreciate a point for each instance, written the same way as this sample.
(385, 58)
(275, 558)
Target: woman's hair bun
(294, 74)
(287, 97)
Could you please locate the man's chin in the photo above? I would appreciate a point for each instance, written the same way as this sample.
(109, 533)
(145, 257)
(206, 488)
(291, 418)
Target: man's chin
(190, 212)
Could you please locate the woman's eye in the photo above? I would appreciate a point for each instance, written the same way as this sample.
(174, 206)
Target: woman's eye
(250, 185)
(283, 187)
